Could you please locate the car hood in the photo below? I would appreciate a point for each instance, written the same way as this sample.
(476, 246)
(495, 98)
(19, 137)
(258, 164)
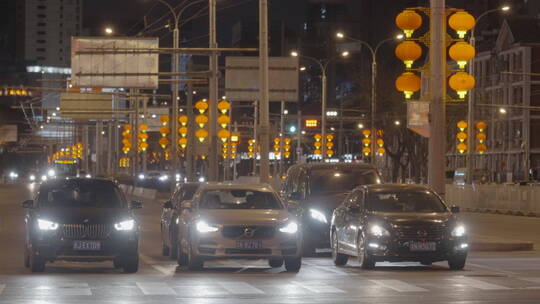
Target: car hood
(413, 219)
(244, 217)
(325, 203)
(84, 215)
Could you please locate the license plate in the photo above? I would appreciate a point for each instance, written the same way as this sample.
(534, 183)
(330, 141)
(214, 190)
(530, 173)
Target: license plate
(249, 244)
(422, 246)
(87, 245)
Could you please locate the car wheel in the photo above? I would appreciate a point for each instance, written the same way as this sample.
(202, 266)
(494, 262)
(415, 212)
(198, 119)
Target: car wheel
(194, 261)
(36, 263)
(457, 262)
(173, 251)
(165, 251)
(182, 258)
(340, 259)
(293, 264)
(130, 264)
(275, 263)
(364, 258)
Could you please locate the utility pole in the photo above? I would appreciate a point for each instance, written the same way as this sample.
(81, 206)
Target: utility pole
(323, 111)
(174, 110)
(282, 137)
(255, 134)
(212, 103)
(437, 139)
(263, 87)
(299, 142)
(191, 132)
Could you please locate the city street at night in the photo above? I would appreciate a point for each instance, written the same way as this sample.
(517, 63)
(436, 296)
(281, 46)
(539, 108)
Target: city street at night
(489, 277)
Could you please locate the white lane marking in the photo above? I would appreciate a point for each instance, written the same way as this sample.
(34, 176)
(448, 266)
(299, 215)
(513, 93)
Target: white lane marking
(332, 269)
(480, 284)
(533, 280)
(164, 267)
(240, 288)
(2, 287)
(399, 286)
(65, 289)
(155, 289)
(490, 268)
(318, 287)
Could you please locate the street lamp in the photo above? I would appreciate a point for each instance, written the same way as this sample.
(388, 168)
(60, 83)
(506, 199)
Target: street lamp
(503, 111)
(360, 126)
(108, 31)
(323, 65)
(397, 122)
(470, 112)
(374, 51)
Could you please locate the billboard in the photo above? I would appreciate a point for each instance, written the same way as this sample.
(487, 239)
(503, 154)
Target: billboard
(86, 105)
(418, 117)
(242, 78)
(8, 133)
(98, 62)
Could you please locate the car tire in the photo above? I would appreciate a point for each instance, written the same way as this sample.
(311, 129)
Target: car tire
(36, 263)
(194, 261)
(130, 264)
(339, 259)
(293, 264)
(275, 263)
(182, 257)
(173, 251)
(165, 251)
(457, 262)
(365, 259)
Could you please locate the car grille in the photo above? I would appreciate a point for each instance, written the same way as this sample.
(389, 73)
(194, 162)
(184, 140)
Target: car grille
(420, 232)
(259, 232)
(93, 231)
(247, 251)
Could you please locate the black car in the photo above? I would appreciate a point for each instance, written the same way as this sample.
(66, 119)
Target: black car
(317, 189)
(397, 223)
(83, 220)
(170, 215)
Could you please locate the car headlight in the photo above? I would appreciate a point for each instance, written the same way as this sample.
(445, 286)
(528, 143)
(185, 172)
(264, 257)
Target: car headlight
(44, 177)
(291, 228)
(163, 178)
(178, 177)
(203, 227)
(377, 230)
(319, 216)
(32, 178)
(141, 176)
(458, 231)
(88, 176)
(125, 225)
(47, 225)
(51, 173)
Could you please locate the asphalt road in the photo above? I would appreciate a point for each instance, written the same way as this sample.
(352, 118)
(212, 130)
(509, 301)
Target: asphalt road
(488, 277)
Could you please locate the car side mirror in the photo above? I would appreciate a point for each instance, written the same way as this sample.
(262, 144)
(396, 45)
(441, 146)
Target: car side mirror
(295, 196)
(167, 205)
(186, 205)
(454, 209)
(135, 205)
(28, 204)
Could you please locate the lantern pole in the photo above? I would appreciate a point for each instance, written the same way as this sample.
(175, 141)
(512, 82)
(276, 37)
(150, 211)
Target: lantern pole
(437, 139)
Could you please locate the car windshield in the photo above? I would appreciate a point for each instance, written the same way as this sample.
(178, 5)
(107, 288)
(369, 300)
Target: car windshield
(411, 201)
(239, 199)
(323, 181)
(80, 194)
(189, 191)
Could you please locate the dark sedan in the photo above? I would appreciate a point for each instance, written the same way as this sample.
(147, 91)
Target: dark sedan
(397, 223)
(83, 220)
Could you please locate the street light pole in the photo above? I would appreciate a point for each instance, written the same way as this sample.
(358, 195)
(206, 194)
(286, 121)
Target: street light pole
(212, 117)
(264, 132)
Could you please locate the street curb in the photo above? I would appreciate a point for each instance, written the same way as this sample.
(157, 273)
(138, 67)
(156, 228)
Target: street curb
(501, 211)
(487, 246)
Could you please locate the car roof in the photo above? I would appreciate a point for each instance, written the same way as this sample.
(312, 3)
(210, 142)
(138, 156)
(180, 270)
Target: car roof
(334, 165)
(77, 179)
(396, 187)
(233, 186)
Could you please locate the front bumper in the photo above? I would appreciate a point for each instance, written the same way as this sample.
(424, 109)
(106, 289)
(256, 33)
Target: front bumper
(398, 250)
(214, 245)
(53, 248)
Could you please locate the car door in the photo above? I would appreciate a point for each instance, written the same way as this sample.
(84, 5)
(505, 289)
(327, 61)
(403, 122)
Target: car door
(352, 219)
(339, 220)
(167, 217)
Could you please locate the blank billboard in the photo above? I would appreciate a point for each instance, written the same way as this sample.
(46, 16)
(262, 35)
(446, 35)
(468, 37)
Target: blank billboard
(86, 105)
(114, 62)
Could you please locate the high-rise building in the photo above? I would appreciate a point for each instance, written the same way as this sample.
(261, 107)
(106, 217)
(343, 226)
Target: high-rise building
(47, 27)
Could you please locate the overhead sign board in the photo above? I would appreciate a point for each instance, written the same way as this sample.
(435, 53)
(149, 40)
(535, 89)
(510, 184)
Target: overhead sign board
(99, 62)
(8, 133)
(418, 117)
(242, 78)
(86, 106)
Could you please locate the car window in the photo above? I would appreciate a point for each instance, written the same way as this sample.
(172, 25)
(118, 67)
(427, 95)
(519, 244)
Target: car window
(333, 180)
(411, 201)
(189, 192)
(239, 199)
(81, 194)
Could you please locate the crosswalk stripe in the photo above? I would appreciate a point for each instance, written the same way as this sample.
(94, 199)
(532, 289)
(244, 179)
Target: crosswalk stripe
(332, 269)
(167, 270)
(240, 288)
(318, 287)
(480, 284)
(398, 285)
(155, 289)
(65, 289)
